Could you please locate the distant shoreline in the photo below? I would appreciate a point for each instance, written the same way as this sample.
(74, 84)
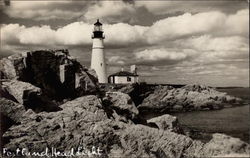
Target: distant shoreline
(175, 85)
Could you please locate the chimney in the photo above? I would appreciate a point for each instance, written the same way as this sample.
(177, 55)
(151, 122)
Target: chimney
(133, 69)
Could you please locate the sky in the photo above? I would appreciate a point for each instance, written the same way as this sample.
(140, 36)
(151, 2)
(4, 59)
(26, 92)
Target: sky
(172, 42)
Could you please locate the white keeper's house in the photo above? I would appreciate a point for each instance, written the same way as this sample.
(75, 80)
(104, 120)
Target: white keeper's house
(124, 77)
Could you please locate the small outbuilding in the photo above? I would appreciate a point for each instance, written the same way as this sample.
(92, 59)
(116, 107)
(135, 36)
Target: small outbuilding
(124, 77)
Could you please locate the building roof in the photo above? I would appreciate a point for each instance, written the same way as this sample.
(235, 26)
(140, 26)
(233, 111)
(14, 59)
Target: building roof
(124, 73)
(98, 23)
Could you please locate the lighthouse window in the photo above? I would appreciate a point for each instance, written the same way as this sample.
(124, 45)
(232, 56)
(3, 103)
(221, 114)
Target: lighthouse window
(128, 79)
(101, 64)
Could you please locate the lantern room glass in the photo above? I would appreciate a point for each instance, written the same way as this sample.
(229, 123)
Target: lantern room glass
(97, 28)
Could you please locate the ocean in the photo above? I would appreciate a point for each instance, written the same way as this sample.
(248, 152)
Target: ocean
(234, 121)
(231, 121)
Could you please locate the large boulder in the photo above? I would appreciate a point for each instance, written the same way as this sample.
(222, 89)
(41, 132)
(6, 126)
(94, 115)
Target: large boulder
(81, 122)
(28, 95)
(187, 98)
(143, 141)
(166, 122)
(21, 91)
(57, 73)
(11, 113)
(121, 103)
(222, 144)
(12, 110)
(154, 102)
(138, 91)
(5, 94)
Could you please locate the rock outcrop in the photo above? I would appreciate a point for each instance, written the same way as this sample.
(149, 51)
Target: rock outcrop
(187, 98)
(166, 122)
(11, 113)
(121, 103)
(222, 144)
(55, 72)
(138, 92)
(80, 121)
(29, 96)
(32, 83)
(84, 122)
(12, 110)
(21, 91)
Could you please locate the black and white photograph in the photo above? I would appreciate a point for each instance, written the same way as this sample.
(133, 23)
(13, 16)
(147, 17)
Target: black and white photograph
(124, 78)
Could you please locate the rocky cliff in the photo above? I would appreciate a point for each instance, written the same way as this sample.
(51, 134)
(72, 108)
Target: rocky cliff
(187, 98)
(39, 114)
(83, 121)
(58, 74)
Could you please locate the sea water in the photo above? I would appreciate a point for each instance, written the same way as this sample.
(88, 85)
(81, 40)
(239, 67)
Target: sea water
(231, 121)
(234, 121)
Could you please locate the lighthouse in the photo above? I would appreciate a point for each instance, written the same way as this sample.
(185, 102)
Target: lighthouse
(98, 56)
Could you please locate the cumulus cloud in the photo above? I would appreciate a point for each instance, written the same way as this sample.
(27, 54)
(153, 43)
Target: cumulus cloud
(202, 37)
(37, 35)
(216, 23)
(116, 60)
(110, 11)
(209, 43)
(238, 23)
(45, 10)
(77, 33)
(168, 29)
(162, 56)
(166, 7)
(124, 34)
(72, 34)
(185, 42)
(9, 33)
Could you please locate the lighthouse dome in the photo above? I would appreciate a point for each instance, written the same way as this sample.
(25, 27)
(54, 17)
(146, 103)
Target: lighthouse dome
(98, 23)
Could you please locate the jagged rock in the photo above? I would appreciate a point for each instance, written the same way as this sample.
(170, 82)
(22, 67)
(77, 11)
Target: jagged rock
(232, 155)
(12, 110)
(81, 122)
(121, 103)
(5, 94)
(139, 140)
(21, 91)
(12, 66)
(127, 88)
(197, 88)
(187, 98)
(166, 122)
(89, 121)
(55, 72)
(222, 144)
(138, 91)
(28, 95)
(11, 113)
(93, 73)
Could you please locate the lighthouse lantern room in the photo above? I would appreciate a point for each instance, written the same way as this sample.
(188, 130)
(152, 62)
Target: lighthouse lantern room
(98, 56)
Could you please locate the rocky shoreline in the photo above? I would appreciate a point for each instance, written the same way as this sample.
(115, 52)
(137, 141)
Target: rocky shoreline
(51, 101)
(169, 99)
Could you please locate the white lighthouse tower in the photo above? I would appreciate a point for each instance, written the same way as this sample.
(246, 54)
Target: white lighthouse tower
(98, 56)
